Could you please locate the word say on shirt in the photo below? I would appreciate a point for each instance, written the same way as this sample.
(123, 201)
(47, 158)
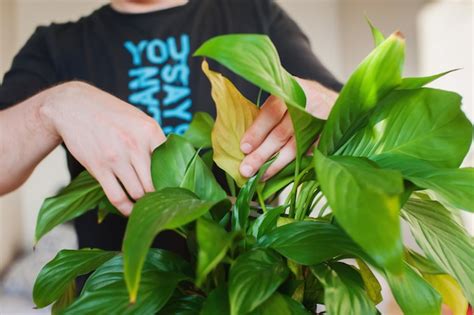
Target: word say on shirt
(159, 81)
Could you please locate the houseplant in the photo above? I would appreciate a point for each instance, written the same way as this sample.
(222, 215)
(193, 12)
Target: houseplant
(390, 149)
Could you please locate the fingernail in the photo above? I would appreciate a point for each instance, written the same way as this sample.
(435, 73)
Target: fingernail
(246, 148)
(246, 170)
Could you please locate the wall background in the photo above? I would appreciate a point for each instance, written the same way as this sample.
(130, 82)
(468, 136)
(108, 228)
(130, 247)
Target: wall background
(439, 37)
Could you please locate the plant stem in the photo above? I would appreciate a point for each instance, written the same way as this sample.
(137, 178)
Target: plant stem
(294, 189)
(231, 184)
(259, 97)
(261, 200)
(323, 208)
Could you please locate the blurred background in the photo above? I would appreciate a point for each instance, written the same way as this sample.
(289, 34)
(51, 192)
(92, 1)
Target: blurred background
(439, 37)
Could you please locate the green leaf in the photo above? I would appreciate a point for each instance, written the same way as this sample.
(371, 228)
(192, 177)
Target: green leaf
(200, 180)
(279, 304)
(104, 209)
(165, 209)
(266, 222)
(310, 242)
(371, 284)
(413, 294)
(454, 187)
(217, 302)
(450, 292)
(105, 292)
(65, 299)
(443, 240)
(183, 305)
(80, 196)
(376, 34)
(175, 163)
(228, 130)
(421, 263)
(213, 242)
(366, 202)
(253, 278)
(241, 208)
(374, 78)
(343, 289)
(56, 276)
(425, 124)
(419, 82)
(199, 131)
(255, 58)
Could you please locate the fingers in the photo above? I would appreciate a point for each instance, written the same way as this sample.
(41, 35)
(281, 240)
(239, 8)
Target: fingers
(271, 113)
(141, 165)
(277, 138)
(286, 155)
(129, 179)
(114, 192)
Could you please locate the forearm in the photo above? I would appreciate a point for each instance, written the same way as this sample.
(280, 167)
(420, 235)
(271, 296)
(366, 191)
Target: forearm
(26, 137)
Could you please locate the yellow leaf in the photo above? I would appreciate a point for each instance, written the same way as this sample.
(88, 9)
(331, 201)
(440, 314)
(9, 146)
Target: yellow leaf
(450, 292)
(235, 114)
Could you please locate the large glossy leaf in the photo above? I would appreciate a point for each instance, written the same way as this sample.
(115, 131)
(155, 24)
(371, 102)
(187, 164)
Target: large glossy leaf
(80, 196)
(56, 275)
(66, 299)
(213, 242)
(310, 242)
(413, 294)
(105, 292)
(425, 124)
(343, 289)
(279, 304)
(175, 163)
(454, 187)
(451, 293)
(217, 302)
(183, 305)
(199, 131)
(255, 58)
(168, 208)
(235, 114)
(254, 277)
(374, 78)
(266, 222)
(365, 201)
(443, 240)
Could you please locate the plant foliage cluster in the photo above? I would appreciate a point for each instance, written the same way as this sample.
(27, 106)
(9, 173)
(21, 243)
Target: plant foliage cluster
(390, 151)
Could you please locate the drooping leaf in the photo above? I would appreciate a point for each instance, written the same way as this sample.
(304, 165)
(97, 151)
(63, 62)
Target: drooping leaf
(443, 240)
(168, 208)
(80, 196)
(105, 292)
(213, 242)
(217, 302)
(421, 263)
(450, 292)
(255, 58)
(235, 114)
(183, 305)
(371, 284)
(425, 124)
(365, 201)
(253, 278)
(200, 180)
(241, 208)
(58, 274)
(266, 222)
(343, 289)
(454, 187)
(279, 304)
(376, 33)
(65, 299)
(199, 131)
(310, 242)
(175, 163)
(413, 294)
(374, 78)
(419, 82)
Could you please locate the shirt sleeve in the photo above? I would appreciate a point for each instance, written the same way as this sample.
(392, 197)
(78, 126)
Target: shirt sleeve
(32, 70)
(295, 50)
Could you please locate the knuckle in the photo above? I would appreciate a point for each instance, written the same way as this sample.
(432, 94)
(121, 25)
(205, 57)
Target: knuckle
(117, 200)
(258, 158)
(136, 194)
(281, 133)
(111, 157)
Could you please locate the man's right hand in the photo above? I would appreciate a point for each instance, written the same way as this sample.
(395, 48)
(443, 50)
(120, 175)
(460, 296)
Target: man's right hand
(112, 139)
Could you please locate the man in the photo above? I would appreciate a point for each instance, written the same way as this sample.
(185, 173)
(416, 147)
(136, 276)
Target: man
(138, 52)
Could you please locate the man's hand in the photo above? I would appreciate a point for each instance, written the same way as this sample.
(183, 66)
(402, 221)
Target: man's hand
(110, 138)
(272, 131)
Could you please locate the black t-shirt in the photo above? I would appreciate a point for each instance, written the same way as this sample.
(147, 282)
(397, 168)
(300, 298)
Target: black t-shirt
(146, 60)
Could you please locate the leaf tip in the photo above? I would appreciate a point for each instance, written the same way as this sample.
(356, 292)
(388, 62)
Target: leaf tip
(399, 35)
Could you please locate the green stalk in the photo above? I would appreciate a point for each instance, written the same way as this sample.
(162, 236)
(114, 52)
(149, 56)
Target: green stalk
(261, 200)
(294, 189)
